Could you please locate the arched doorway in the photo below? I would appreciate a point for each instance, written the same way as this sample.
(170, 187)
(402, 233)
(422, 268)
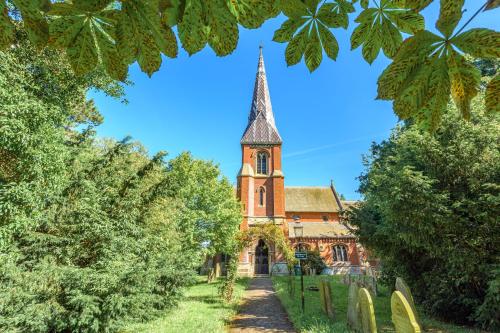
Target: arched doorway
(261, 258)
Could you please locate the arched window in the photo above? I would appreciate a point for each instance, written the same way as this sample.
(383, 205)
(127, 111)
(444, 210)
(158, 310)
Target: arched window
(262, 163)
(262, 195)
(340, 253)
(301, 247)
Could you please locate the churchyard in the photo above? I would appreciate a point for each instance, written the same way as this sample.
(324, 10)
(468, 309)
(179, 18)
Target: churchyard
(314, 320)
(201, 310)
(105, 229)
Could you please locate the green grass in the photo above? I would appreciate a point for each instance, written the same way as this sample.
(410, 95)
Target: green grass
(314, 321)
(202, 310)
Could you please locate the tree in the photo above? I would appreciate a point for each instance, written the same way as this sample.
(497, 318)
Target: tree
(93, 232)
(430, 212)
(211, 212)
(426, 67)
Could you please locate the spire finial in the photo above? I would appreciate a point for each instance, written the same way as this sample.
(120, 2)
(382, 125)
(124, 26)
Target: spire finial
(260, 67)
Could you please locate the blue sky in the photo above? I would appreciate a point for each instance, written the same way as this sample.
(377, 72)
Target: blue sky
(327, 119)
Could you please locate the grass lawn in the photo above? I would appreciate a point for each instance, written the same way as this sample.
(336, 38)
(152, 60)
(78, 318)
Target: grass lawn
(314, 321)
(202, 310)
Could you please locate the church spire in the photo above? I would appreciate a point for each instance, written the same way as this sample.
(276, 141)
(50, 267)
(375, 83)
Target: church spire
(261, 127)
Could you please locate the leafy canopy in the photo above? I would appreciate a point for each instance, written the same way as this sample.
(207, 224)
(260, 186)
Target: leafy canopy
(430, 213)
(426, 68)
(93, 233)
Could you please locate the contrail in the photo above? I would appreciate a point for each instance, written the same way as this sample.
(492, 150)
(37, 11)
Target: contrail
(314, 149)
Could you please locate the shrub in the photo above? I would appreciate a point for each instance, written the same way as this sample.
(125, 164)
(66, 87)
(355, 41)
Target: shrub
(430, 212)
(93, 233)
(313, 261)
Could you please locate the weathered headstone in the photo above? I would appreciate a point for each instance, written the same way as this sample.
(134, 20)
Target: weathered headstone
(403, 316)
(370, 282)
(353, 316)
(370, 271)
(218, 266)
(405, 290)
(346, 279)
(291, 285)
(368, 324)
(325, 292)
(211, 275)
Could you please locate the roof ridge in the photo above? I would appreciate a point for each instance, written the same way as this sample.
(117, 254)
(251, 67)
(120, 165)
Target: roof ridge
(324, 187)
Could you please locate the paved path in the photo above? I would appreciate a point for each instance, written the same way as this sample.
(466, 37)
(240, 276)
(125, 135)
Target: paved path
(261, 311)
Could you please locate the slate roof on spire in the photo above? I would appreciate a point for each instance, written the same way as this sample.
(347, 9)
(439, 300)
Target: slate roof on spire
(261, 128)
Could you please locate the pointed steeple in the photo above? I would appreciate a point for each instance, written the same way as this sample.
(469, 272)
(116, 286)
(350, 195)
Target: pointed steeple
(261, 128)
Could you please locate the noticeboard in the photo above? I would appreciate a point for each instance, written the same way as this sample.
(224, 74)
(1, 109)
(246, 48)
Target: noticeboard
(301, 255)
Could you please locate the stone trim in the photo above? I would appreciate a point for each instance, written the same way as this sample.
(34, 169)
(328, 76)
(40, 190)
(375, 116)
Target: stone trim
(256, 220)
(327, 239)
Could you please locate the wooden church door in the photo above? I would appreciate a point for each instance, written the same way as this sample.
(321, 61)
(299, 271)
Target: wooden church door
(261, 258)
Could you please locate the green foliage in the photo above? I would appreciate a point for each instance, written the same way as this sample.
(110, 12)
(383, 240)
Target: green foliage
(307, 30)
(492, 97)
(381, 27)
(93, 233)
(201, 310)
(226, 289)
(431, 214)
(271, 234)
(210, 213)
(426, 67)
(6, 27)
(314, 261)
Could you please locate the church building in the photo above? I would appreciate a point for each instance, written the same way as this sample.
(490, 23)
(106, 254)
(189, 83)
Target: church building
(309, 216)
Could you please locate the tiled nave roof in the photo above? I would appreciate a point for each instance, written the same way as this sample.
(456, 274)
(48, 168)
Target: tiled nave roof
(311, 199)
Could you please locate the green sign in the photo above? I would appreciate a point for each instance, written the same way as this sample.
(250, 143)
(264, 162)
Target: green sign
(301, 255)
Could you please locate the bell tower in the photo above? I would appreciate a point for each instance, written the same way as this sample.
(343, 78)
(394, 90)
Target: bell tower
(260, 180)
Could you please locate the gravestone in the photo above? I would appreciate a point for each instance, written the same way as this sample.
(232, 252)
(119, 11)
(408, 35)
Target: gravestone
(370, 271)
(325, 292)
(403, 316)
(402, 287)
(370, 282)
(291, 285)
(353, 316)
(211, 275)
(368, 324)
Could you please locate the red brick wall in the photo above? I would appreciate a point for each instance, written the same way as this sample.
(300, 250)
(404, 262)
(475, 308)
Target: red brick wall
(274, 203)
(276, 157)
(325, 248)
(279, 196)
(267, 184)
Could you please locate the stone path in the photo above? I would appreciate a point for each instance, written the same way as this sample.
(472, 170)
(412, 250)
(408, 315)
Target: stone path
(261, 311)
